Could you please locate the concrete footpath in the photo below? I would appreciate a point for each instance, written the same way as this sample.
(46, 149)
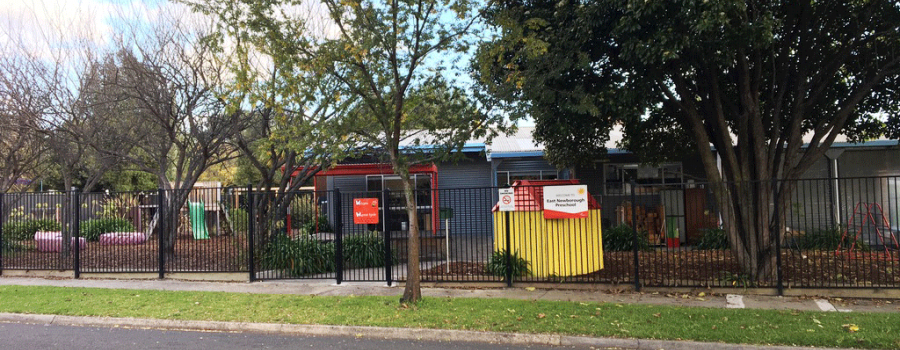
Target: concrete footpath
(317, 287)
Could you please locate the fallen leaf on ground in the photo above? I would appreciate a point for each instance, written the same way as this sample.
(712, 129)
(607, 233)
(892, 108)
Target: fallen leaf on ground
(852, 328)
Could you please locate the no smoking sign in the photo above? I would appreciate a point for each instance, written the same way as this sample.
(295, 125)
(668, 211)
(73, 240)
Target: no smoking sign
(507, 199)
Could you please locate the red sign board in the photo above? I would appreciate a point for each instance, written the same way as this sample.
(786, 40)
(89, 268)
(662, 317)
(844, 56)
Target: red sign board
(365, 211)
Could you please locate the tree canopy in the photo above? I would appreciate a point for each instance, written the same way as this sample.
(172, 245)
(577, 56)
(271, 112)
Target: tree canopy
(382, 66)
(753, 74)
(769, 84)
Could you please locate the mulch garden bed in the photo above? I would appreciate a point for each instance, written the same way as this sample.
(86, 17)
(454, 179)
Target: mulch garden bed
(216, 254)
(657, 268)
(712, 268)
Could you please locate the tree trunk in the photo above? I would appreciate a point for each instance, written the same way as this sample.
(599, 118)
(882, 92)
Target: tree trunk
(67, 223)
(170, 217)
(174, 201)
(412, 293)
(752, 225)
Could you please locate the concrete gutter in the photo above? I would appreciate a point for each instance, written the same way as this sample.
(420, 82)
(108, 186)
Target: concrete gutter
(371, 332)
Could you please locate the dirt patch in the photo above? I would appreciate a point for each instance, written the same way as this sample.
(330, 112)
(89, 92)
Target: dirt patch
(712, 268)
(457, 269)
(216, 254)
(669, 268)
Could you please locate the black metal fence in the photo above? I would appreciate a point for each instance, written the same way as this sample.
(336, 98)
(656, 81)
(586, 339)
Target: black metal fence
(832, 233)
(123, 232)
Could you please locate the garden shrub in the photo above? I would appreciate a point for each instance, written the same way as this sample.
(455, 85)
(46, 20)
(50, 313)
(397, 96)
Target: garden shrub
(11, 247)
(298, 256)
(621, 238)
(92, 229)
(303, 210)
(239, 220)
(365, 250)
(713, 239)
(497, 264)
(24, 230)
(117, 206)
(828, 239)
(310, 225)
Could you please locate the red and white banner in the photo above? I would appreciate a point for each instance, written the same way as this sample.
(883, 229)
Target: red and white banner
(565, 202)
(365, 211)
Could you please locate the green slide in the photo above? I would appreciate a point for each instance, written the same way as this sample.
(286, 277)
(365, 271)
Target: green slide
(198, 220)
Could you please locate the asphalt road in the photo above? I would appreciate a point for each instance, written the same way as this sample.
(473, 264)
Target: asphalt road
(29, 336)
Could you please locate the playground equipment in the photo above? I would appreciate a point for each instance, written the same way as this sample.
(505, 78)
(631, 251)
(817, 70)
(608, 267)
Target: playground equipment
(51, 241)
(122, 238)
(198, 220)
(869, 216)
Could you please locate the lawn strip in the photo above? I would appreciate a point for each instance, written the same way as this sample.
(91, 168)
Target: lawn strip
(745, 326)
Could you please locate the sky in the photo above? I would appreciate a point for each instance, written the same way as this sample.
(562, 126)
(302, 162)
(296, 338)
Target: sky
(32, 24)
(86, 19)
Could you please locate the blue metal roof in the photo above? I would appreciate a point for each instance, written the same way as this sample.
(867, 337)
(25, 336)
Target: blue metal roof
(518, 154)
(469, 147)
(873, 143)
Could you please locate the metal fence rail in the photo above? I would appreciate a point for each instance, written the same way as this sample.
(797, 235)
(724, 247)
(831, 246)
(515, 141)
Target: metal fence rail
(837, 233)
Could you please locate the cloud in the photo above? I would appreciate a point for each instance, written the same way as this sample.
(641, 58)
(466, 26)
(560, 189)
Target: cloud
(47, 29)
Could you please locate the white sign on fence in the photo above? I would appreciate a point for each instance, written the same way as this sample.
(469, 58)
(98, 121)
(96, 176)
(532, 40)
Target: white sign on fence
(507, 199)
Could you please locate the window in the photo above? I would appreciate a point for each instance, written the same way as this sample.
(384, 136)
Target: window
(618, 176)
(508, 177)
(395, 185)
(397, 204)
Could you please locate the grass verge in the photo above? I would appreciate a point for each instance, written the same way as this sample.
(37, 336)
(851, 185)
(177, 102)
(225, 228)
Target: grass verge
(500, 315)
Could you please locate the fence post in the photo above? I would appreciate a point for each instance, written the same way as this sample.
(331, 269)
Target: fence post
(251, 234)
(1, 232)
(634, 242)
(509, 276)
(161, 210)
(76, 227)
(387, 236)
(778, 273)
(338, 238)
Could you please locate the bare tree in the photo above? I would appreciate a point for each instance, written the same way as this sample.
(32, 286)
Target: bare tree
(169, 76)
(21, 145)
(47, 79)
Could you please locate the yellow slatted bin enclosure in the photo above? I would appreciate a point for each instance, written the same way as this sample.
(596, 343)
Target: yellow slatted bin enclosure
(552, 247)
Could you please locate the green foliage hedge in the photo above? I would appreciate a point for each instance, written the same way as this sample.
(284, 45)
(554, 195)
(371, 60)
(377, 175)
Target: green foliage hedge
(621, 238)
(713, 239)
(298, 256)
(92, 229)
(304, 255)
(11, 247)
(239, 220)
(310, 226)
(24, 230)
(303, 210)
(828, 239)
(365, 250)
(497, 264)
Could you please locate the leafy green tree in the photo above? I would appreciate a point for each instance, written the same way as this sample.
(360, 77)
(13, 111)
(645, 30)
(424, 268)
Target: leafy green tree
(294, 128)
(124, 180)
(387, 63)
(769, 84)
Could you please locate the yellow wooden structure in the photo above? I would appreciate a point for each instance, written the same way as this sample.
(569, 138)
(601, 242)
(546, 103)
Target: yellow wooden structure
(557, 247)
